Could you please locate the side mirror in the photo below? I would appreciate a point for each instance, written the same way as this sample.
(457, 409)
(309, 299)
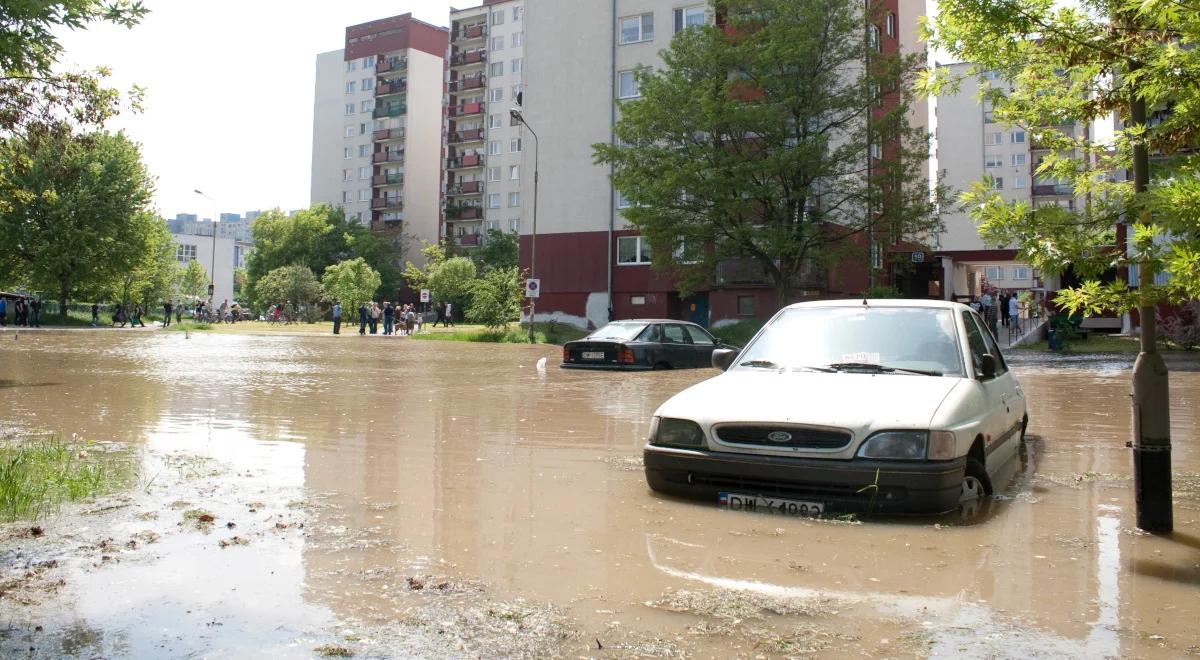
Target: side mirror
(988, 365)
(722, 358)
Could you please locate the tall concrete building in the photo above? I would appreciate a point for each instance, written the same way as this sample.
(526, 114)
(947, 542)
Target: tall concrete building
(377, 126)
(484, 146)
(972, 144)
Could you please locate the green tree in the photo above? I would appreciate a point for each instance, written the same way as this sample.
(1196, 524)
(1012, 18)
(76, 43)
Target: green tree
(1064, 65)
(149, 281)
(317, 237)
(496, 298)
(30, 93)
(295, 284)
(752, 142)
(72, 210)
(352, 282)
(191, 281)
(418, 278)
(452, 281)
(499, 250)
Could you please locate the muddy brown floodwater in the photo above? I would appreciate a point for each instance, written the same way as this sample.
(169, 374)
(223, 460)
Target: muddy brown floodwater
(387, 497)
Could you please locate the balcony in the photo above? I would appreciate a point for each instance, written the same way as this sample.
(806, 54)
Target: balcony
(464, 213)
(469, 240)
(385, 134)
(468, 57)
(470, 82)
(1053, 190)
(387, 64)
(465, 188)
(466, 109)
(469, 32)
(387, 180)
(388, 156)
(469, 135)
(470, 160)
(391, 87)
(387, 203)
(390, 110)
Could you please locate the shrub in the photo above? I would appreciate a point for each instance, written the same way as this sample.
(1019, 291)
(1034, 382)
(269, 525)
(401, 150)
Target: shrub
(1183, 327)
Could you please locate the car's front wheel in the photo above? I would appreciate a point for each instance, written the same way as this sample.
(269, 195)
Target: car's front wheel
(975, 483)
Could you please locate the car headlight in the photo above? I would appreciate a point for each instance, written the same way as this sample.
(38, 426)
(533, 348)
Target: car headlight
(671, 432)
(898, 445)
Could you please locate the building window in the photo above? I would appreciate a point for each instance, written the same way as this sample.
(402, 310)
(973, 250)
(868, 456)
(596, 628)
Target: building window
(514, 145)
(991, 75)
(364, 150)
(362, 129)
(637, 300)
(517, 64)
(364, 172)
(368, 62)
(497, 69)
(364, 194)
(352, 65)
(633, 250)
(514, 172)
(350, 131)
(1020, 272)
(514, 199)
(494, 148)
(1018, 160)
(993, 273)
(517, 12)
(746, 305)
(623, 202)
(347, 175)
(367, 85)
(185, 253)
(514, 224)
(687, 17)
(637, 28)
(997, 183)
(497, 94)
(346, 197)
(498, 17)
(368, 105)
(1020, 182)
(347, 152)
(876, 150)
(494, 121)
(873, 38)
(627, 87)
(493, 174)
(494, 200)
(1018, 137)
(518, 39)
(498, 43)
(993, 160)
(349, 108)
(994, 139)
(350, 87)
(891, 24)
(516, 93)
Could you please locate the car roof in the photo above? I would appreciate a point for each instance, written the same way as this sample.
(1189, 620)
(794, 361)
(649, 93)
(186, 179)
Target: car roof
(881, 302)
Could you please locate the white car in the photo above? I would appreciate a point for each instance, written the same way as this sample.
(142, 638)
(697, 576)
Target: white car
(846, 406)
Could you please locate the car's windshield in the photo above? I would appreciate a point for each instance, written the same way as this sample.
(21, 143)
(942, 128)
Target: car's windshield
(622, 331)
(901, 338)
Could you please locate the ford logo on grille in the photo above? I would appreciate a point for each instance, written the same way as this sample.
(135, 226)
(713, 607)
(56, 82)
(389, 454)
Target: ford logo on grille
(779, 436)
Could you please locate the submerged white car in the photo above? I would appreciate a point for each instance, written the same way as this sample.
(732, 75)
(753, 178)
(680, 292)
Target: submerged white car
(846, 406)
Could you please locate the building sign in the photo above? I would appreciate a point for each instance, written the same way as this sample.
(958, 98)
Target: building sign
(918, 257)
(533, 288)
(424, 295)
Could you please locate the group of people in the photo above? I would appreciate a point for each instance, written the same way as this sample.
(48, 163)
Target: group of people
(27, 312)
(395, 318)
(999, 308)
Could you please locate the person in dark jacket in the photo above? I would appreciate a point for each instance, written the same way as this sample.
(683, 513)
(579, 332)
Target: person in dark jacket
(389, 314)
(167, 309)
(95, 315)
(35, 313)
(362, 319)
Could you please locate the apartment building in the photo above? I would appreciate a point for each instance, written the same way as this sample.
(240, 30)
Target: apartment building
(592, 264)
(484, 145)
(972, 144)
(377, 126)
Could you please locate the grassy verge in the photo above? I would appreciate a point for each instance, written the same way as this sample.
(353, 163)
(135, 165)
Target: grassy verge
(543, 333)
(39, 473)
(1097, 343)
(737, 334)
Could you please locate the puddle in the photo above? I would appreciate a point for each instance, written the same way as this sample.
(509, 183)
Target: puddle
(394, 498)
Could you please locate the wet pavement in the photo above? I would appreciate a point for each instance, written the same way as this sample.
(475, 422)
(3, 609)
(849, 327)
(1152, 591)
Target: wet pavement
(402, 498)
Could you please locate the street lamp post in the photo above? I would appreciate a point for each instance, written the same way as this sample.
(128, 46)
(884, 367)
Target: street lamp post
(516, 114)
(212, 267)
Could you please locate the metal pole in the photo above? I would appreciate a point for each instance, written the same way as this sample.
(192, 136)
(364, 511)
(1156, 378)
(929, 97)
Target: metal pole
(212, 271)
(533, 237)
(1151, 408)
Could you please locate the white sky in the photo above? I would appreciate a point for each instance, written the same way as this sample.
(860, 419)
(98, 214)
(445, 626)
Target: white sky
(229, 92)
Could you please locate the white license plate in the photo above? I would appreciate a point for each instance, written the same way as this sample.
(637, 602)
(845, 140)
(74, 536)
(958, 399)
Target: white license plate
(592, 355)
(760, 504)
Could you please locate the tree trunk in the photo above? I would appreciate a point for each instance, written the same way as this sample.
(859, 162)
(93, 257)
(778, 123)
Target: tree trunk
(1151, 408)
(64, 289)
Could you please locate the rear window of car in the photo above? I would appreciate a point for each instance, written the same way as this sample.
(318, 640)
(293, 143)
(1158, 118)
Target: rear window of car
(618, 331)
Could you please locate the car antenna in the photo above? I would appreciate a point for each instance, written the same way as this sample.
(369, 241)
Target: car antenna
(864, 301)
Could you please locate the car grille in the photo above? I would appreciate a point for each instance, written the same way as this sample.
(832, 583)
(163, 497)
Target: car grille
(800, 437)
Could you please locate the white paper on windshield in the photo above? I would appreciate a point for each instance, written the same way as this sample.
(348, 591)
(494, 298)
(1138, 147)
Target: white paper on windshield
(863, 358)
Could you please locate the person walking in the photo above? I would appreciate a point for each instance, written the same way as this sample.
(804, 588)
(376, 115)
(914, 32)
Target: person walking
(337, 317)
(35, 309)
(376, 314)
(137, 317)
(19, 312)
(449, 315)
(3, 312)
(389, 315)
(441, 315)
(178, 311)
(362, 318)
(413, 319)
(1014, 313)
(167, 310)
(95, 315)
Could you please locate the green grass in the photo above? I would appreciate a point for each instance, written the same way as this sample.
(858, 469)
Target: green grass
(190, 326)
(737, 334)
(543, 333)
(1096, 343)
(38, 473)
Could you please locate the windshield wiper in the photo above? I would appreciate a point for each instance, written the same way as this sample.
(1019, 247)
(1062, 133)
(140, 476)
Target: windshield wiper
(879, 368)
(764, 364)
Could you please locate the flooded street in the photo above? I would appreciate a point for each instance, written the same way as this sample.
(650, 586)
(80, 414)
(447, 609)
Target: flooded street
(392, 497)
